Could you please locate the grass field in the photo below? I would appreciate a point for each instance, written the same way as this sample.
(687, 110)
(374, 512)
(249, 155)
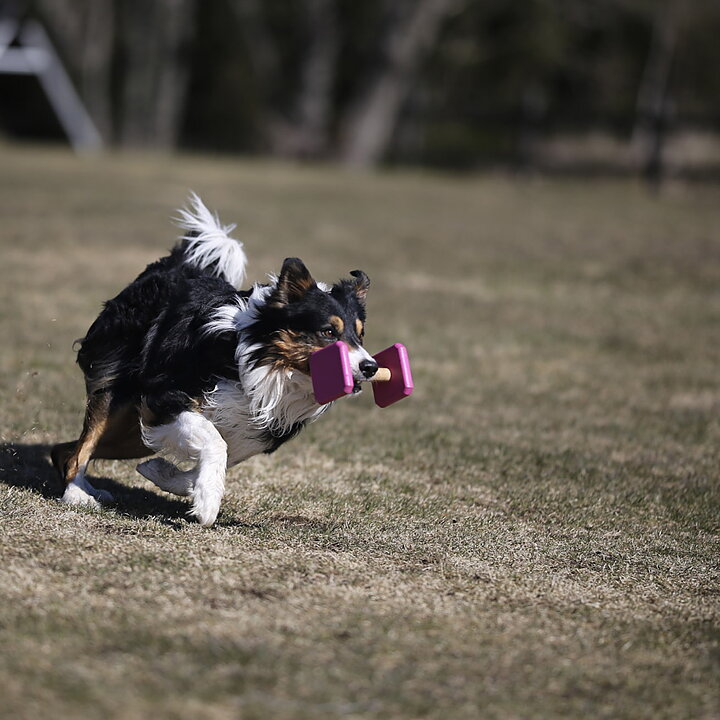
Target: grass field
(534, 534)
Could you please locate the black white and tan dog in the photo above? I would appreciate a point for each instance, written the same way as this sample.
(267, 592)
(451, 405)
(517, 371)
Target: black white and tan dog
(184, 363)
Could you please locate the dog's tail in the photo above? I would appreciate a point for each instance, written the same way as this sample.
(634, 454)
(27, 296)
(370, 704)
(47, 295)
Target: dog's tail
(208, 244)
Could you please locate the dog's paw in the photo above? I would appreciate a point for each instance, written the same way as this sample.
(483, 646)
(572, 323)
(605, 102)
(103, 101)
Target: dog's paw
(81, 492)
(205, 507)
(157, 470)
(76, 494)
(205, 515)
(166, 476)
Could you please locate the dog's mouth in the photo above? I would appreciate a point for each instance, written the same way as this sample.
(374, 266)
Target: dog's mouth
(357, 387)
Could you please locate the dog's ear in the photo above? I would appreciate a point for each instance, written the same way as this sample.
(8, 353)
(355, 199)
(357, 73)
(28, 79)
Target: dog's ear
(361, 284)
(294, 281)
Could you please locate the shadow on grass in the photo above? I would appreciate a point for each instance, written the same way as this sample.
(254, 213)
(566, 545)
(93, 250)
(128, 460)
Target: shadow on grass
(282, 521)
(28, 466)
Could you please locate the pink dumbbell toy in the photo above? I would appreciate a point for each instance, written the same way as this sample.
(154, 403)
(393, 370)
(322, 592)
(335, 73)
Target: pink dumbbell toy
(332, 377)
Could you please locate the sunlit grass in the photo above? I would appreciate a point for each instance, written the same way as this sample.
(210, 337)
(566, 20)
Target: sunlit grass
(534, 533)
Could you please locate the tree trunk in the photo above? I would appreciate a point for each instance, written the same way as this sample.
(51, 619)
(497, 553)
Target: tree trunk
(97, 63)
(154, 40)
(303, 130)
(261, 49)
(367, 127)
(306, 135)
(652, 103)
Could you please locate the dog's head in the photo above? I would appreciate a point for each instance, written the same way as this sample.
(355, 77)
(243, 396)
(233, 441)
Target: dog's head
(301, 316)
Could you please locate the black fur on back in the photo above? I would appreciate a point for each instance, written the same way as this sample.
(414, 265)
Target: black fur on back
(148, 342)
(150, 346)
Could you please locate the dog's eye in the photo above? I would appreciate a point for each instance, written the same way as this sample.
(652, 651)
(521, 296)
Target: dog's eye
(327, 332)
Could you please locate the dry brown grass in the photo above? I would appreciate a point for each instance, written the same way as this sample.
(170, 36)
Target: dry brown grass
(534, 534)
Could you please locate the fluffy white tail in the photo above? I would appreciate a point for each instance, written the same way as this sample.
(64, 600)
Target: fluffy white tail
(209, 243)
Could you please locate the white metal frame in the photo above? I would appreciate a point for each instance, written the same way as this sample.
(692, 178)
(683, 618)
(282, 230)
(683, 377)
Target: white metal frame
(34, 54)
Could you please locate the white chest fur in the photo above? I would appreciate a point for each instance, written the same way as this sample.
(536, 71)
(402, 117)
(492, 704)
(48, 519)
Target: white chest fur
(248, 421)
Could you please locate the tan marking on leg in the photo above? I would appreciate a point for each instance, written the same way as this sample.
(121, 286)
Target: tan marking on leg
(121, 438)
(96, 418)
(60, 454)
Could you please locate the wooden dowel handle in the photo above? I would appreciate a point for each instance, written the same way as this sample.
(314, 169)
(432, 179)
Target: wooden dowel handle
(382, 375)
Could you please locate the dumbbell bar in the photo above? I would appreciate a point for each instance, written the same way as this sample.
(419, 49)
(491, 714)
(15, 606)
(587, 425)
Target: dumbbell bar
(332, 377)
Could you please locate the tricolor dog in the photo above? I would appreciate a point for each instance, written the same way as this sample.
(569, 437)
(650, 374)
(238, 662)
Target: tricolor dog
(184, 363)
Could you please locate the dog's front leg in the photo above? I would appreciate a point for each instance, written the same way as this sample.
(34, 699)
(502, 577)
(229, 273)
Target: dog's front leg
(209, 487)
(193, 437)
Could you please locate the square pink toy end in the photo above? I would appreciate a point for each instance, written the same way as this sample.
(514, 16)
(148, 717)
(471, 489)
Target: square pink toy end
(331, 374)
(400, 385)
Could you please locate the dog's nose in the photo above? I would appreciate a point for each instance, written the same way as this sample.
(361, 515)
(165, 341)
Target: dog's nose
(368, 368)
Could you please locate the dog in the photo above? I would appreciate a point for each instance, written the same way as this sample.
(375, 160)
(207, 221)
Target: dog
(186, 364)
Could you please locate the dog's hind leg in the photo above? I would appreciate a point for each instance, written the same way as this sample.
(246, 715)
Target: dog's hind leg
(60, 454)
(73, 464)
(190, 437)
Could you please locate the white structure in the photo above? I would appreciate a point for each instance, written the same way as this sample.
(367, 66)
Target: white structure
(26, 49)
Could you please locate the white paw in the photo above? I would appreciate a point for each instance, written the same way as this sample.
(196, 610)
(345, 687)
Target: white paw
(206, 507)
(81, 492)
(76, 495)
(156, 470)
(166, 476)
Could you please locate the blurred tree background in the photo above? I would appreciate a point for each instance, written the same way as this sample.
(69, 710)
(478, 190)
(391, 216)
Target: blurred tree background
(583, 84)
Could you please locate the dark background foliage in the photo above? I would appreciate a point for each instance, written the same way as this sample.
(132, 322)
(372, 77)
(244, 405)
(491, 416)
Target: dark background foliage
(450, 83)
